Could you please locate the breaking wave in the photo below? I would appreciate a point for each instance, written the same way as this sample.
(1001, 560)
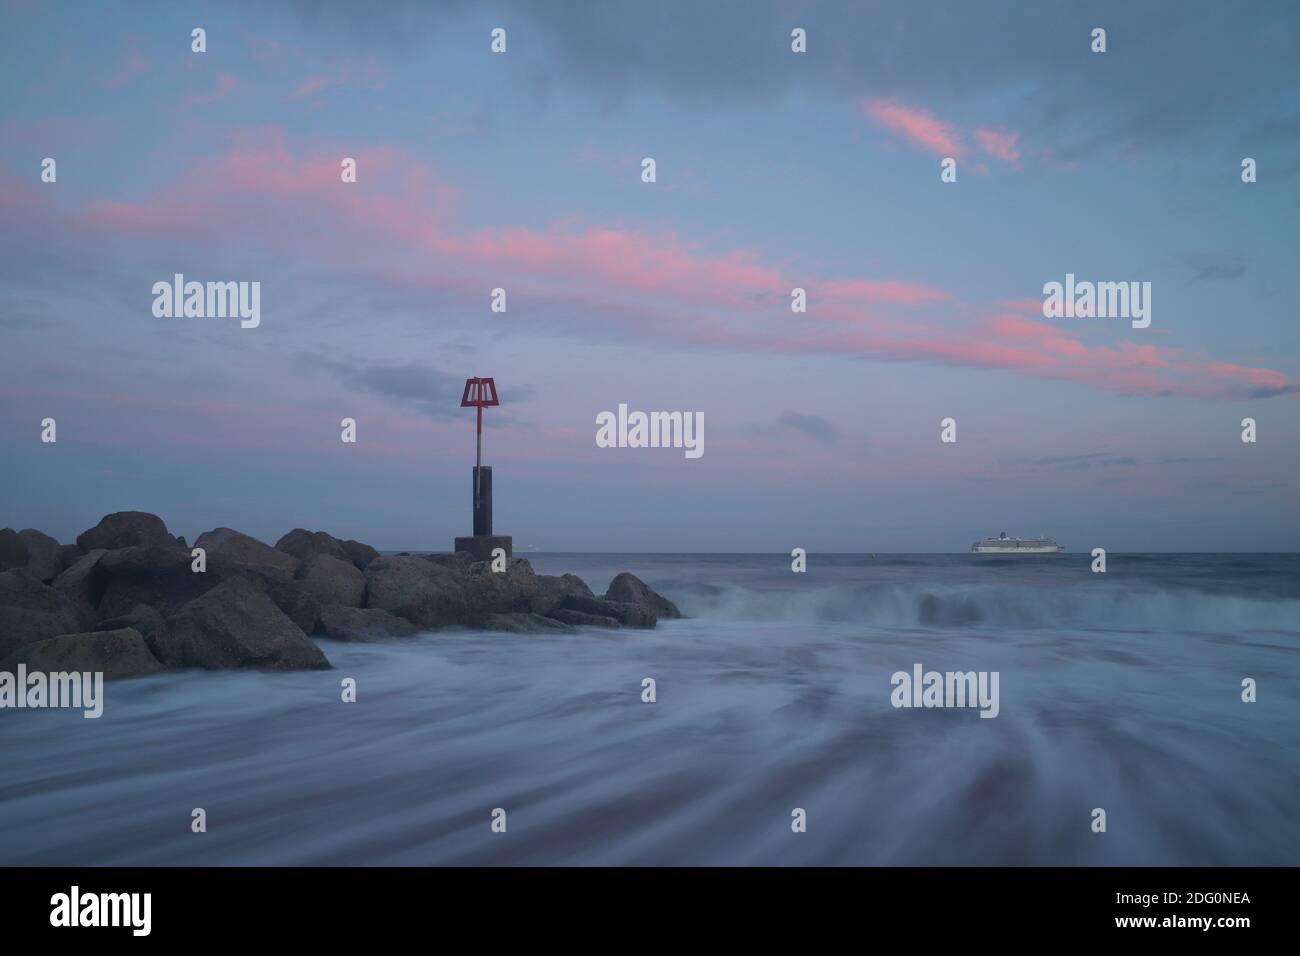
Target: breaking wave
(967, 605)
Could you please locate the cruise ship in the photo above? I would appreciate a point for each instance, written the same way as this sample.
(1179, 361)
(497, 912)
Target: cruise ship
(1003, 545)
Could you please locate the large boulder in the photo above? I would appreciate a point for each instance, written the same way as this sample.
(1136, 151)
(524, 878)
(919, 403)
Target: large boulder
(333, 580)
(629, 615)
(295, 600)
(44, 554)
(290, 596)
(235, 625)
(84, 581)
(160, 577)
(422, 592)
(236, 547)
(127, 529)
(511, 591)
(304, 545)
(630, 589)
(142, 618)
(70, 554)
(524, 623)
(361, 554)
(458, 561)
(120, 653)
(552, 590)
(363, 624)
(13, 550)
(165, 580)
(31, 610)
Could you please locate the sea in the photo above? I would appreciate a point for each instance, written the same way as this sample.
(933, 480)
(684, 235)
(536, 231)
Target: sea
(772, 738)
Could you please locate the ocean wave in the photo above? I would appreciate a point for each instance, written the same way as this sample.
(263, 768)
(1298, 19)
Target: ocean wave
(934, 605)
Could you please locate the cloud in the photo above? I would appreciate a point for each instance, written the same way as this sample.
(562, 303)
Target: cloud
(999, 144)
(309, 85)
(1081, 462)
(876, 290)
(225, 86)
(435, 394)
(1210, 268)
(814, 426)
(416, 385)
(365, 75)
(647, 286)
(941, 137)
(1030, 62)
(922, 128)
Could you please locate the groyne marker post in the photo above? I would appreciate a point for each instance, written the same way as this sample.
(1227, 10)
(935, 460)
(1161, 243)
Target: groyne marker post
(480, 393)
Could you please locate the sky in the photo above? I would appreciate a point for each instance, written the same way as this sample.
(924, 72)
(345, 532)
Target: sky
(775, 170)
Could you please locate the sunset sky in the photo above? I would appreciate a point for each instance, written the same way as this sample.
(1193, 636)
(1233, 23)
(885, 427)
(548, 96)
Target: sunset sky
(522, 170)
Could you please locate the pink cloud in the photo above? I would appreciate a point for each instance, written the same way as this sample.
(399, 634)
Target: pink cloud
(265, 49)
(942, 137)
(398, 224)
(998, 144)
(922, 128)
(906, 293)
(225, 86)
(362, 75)
(309, 85)
(18, 193)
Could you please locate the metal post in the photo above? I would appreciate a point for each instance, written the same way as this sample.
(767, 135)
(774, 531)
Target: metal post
(478, 461)
(480, 393)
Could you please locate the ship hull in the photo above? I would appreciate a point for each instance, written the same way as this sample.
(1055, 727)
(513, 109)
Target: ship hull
(1037, 549)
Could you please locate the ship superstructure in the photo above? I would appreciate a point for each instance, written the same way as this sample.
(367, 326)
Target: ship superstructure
(1003, 544)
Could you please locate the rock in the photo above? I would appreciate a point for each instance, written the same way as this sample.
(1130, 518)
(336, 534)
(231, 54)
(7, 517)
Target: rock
(552, 590)
(31, 610)
(629, 615)
(296, 601)
(458, 561)
(305, 545)
(363, 624)
(525, 624)
(119, 653)
(158, 576)
(142, 618)
(235, 546)
(513, 590)
(44, 554)
(85, 581)
(361, 554)
(235, 625)
(580, 619)
(630, 589)
(424, 593)
(289, 595)
(70, 553)
(333, 580)
(13, 550)
(127, 529)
